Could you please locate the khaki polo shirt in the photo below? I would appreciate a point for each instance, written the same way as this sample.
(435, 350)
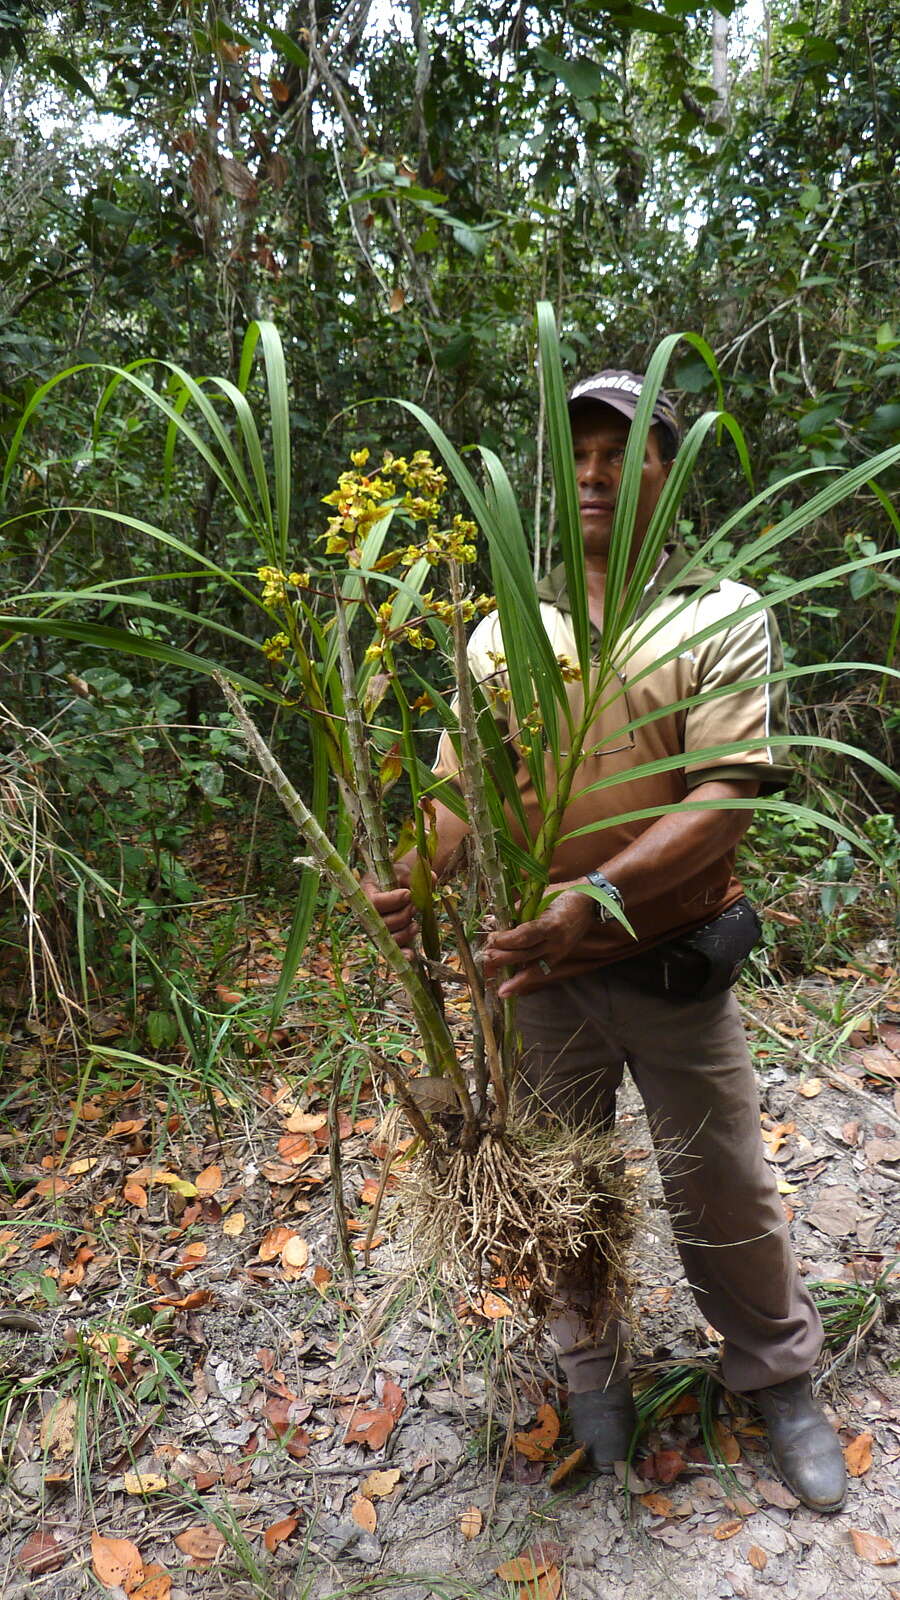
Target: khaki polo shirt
(658, 664)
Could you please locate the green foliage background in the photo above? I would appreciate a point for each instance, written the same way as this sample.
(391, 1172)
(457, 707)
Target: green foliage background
(395, 187)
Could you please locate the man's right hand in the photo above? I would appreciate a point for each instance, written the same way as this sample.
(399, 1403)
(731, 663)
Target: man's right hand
(395, 906)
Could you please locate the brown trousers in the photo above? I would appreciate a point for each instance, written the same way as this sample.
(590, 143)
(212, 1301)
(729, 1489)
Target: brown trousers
(691, 1065)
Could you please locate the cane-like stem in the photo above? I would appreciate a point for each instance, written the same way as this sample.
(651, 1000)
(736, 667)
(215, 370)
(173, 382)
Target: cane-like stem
(375, 842)
(471, 771)
(438, 1044)
(482, 1009)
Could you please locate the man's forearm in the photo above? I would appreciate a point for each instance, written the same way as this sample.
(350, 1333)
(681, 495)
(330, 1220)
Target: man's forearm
(679, 845)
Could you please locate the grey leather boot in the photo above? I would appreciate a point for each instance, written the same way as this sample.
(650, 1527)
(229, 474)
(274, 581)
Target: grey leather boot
(805, 1448)
(604, 1421)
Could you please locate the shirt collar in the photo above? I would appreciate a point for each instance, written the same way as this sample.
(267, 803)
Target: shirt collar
(671, 575)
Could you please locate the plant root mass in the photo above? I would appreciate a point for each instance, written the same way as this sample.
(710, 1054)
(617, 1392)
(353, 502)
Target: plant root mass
(522, 1207)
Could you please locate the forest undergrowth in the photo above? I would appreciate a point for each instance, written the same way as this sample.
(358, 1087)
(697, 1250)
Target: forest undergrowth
(218, 1379)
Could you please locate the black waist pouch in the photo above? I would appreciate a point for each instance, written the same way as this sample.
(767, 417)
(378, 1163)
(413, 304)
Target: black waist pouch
(700, 964)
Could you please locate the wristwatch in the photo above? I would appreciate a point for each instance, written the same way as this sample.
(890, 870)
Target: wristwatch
(600, 881)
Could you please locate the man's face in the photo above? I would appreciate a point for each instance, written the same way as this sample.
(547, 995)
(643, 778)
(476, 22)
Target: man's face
(599, 435)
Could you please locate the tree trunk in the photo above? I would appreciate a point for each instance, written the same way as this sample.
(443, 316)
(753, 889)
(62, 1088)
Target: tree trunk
(719, 111)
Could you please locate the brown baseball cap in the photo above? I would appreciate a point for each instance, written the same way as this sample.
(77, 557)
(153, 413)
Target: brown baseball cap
(622, 390)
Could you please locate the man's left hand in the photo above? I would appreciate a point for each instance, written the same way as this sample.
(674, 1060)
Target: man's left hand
(548, 940)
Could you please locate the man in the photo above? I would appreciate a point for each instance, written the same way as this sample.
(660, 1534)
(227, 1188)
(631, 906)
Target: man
(593, 1001)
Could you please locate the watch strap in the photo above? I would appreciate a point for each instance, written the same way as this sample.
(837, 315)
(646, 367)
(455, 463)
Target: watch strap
(601, 881)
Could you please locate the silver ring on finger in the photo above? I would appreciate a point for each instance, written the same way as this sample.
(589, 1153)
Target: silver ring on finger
(544, 967)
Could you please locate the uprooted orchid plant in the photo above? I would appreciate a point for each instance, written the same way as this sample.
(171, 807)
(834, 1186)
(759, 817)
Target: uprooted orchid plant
(368, 638)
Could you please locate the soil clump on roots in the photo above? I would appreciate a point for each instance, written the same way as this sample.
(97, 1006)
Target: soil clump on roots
(520, 1208)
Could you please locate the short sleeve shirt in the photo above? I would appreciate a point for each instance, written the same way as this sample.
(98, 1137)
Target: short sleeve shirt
(694, 635)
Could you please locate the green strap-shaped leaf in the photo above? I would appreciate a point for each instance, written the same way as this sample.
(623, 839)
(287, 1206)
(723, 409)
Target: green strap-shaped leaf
(622, 536)
(785, 808)
(847, 483)
(99, 637)
(159, 535)
(279, 411)
(500, 539)
(704, 697)
(61, 597)
(720, 753)
(534, 672)
(767, 602)
(562, 458)
(664, 515)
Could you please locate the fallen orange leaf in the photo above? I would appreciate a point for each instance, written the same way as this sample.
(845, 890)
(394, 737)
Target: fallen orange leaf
(294, 1253)
(379, 1484)
(188, 1302)
(858, 1455)
(278, 1172)
(665, 1465)
(471, 1522)
(295, 1148)
(53, 1186)
(492, 1306)
(567, 1466)
(278, 1532)
(234, 1225)
(728, 1529)
(686, 1405)
(393, 1397)
(228, 997)
(871, 1547)
(136, 1195)
(757, 1557)
(274, 1242)
(284, 1413)
(157, 1585)
(659, 1504)
(117, 1563)
(364, 1514)
(370, 1428)
(536, 1444)
(532, 1562)
(306, 1121)
(201, 1543)
(547, 1586)
(209, 1180)
(726, 1443)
